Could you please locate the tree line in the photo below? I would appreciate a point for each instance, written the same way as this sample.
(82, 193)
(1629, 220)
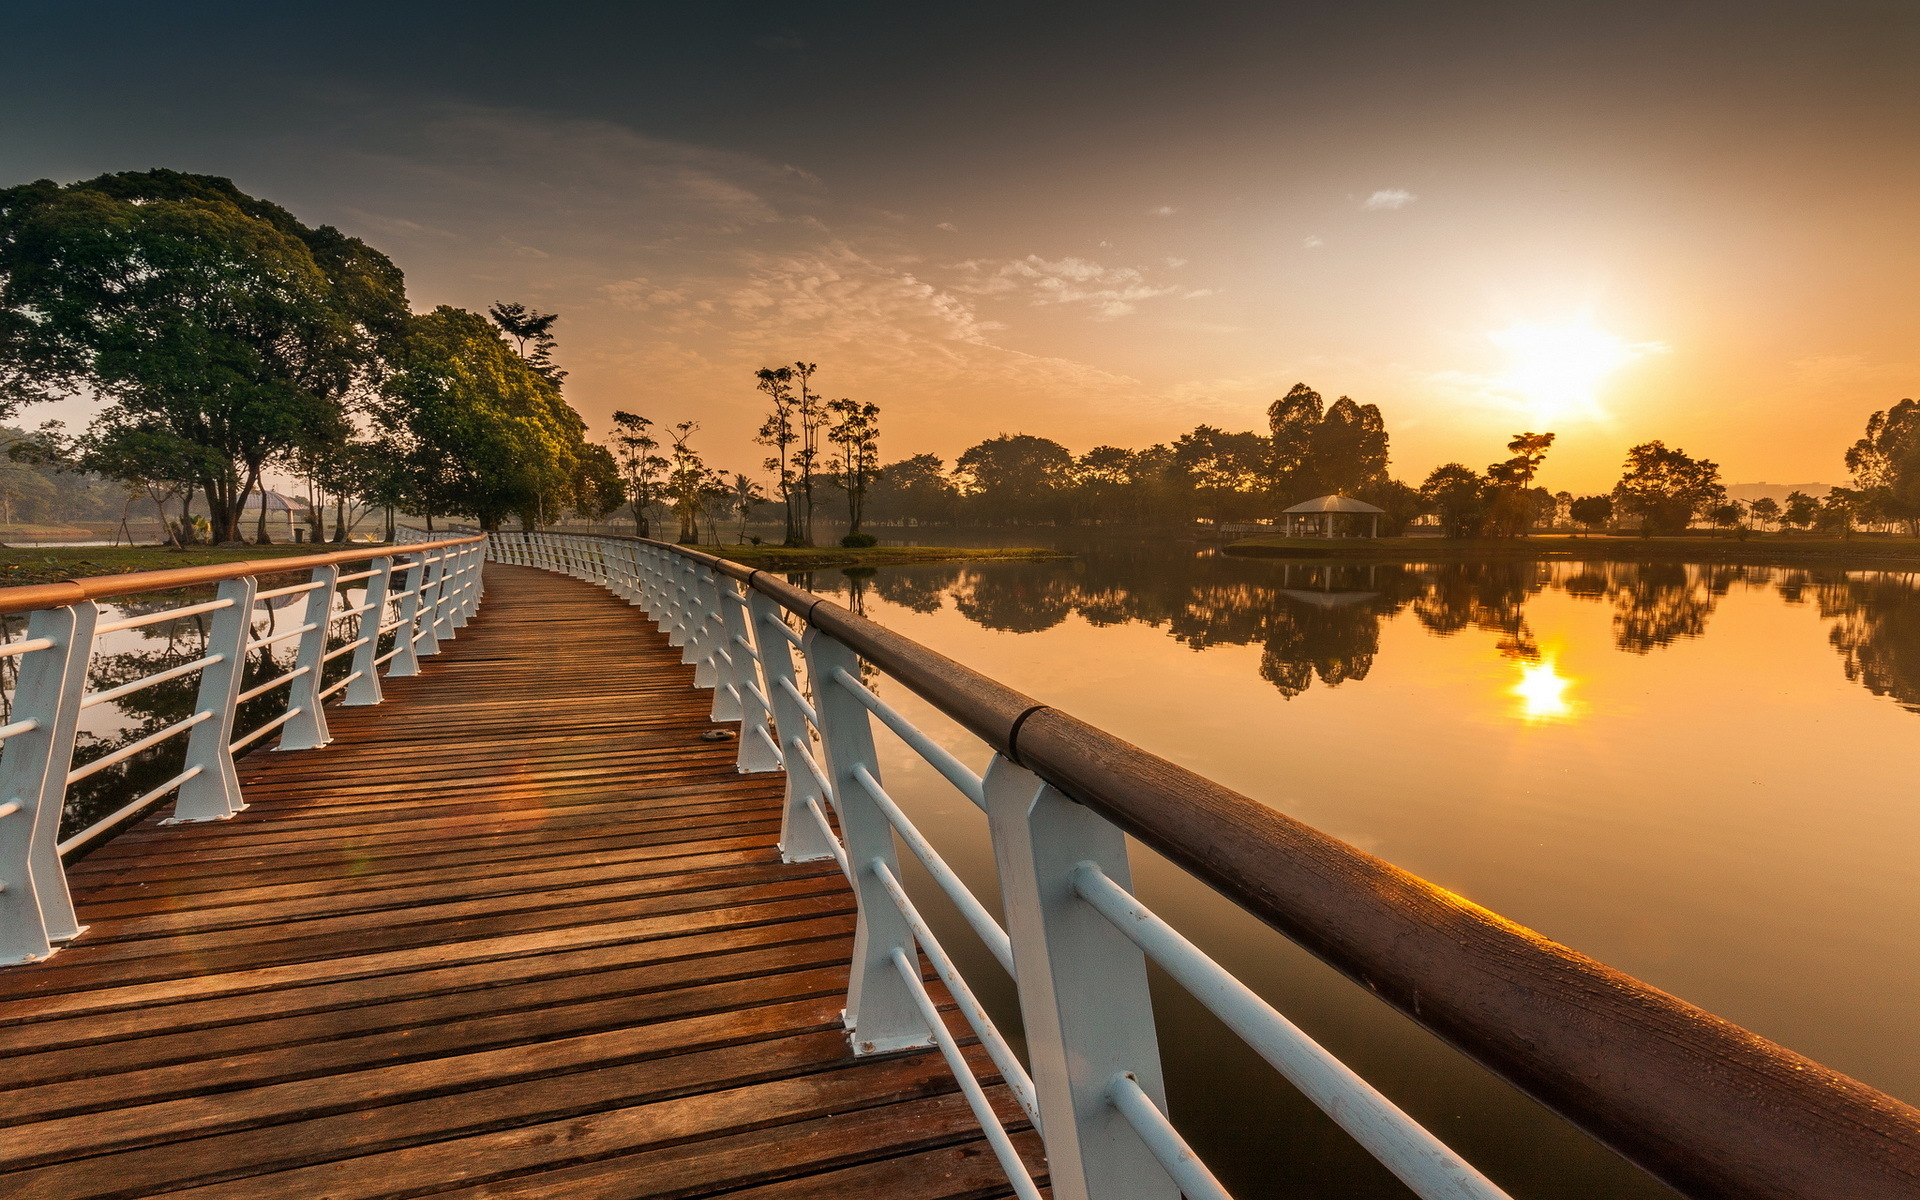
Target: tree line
(226, 339)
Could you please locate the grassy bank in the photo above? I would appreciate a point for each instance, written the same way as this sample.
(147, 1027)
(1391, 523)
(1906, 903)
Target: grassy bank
(51, 564)
(790, 558)
(1757, 550)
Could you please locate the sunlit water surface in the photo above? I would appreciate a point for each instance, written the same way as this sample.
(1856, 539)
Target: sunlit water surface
(1704, 776)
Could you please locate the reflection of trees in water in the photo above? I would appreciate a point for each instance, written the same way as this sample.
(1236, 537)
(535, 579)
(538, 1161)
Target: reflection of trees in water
(1322, 621)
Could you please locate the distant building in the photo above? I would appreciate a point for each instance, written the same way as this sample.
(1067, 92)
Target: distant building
(1332, 516)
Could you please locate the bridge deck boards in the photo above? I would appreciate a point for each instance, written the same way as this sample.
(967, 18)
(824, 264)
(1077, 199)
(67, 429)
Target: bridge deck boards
(518, 932)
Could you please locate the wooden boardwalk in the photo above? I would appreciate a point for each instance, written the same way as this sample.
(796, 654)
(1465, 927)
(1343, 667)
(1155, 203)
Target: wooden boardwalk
(518, 932)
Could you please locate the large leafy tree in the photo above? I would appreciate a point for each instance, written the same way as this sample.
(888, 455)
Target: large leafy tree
(481, 431)
(1349, 448)
(1224, 470)
(207, 318)
(1886, 465)
(1666, 488)
(1016, 477)
(1293, 420)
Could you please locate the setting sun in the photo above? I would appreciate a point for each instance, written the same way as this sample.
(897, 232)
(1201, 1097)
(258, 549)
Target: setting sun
(1557, 370)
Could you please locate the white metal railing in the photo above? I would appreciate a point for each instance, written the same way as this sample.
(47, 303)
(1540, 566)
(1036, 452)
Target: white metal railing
(1076, 941)
(419, 593)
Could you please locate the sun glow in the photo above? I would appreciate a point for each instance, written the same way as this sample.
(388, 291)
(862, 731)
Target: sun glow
(1543, 692)
(1557, 369)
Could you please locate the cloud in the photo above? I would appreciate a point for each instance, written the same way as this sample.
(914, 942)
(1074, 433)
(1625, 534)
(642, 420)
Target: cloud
(1312, 240)
(1176, 263)
(1388, 199)
(1165, 210)
(1110, 291)
(948, 226)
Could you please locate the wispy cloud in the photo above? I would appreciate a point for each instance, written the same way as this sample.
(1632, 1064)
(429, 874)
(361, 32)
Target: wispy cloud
(1312, 240)
(1110, 291)
(948, 226)
(1387, 199)
(1165, 210)
(1176, 263)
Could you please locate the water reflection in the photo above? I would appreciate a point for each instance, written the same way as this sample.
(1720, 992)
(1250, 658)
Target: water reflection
(1321, 622)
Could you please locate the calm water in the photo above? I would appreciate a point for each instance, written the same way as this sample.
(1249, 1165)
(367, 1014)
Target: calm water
(1702, 776)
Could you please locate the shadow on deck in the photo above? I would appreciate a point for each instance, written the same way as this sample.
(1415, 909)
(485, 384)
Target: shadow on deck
(517, 932)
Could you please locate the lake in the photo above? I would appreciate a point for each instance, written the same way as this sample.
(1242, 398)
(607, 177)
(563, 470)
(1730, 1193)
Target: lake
(1703, 776)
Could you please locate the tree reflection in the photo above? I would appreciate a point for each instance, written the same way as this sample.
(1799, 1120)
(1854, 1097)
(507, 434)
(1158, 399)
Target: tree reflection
(1322, 621)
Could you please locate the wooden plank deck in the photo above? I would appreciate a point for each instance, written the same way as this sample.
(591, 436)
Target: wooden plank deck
(518, 932)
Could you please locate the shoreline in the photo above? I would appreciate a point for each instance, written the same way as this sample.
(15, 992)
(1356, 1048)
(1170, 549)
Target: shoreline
(1855, 552)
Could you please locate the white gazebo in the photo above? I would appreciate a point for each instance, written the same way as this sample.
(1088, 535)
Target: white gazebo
(1317, 517)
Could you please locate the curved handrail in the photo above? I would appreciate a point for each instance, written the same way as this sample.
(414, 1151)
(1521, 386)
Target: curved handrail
(28, 597)
(1710, 1108)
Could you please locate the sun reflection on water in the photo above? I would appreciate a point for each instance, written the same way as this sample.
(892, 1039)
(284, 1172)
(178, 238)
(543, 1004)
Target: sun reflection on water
(1542, 690)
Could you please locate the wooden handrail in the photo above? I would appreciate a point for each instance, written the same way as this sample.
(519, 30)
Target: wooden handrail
(31, 597)
(1702, 1104)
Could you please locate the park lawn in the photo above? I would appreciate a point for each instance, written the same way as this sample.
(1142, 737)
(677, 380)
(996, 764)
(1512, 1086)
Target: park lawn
(52, 564)
(796, 558)
(1756, 549)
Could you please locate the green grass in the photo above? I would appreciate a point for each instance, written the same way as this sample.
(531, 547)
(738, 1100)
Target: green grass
(1756, 549)
(51, 564)
(791, 558)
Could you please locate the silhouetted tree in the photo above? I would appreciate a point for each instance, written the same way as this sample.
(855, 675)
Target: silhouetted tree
(1764, 511)
(1592, 511)
(1456, 492)
(1666, 488)
(1886, 465)
(643, 471)
(1799, 511)
(533, 340)
(856, 432)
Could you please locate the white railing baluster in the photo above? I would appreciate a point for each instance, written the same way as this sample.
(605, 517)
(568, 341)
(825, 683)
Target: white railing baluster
(213, 794)
(364, 686)
(406, 659)
(36, 909)
(306, 727)
(801, 839)
(758, 749)
(1082, 987)
(882, 1012)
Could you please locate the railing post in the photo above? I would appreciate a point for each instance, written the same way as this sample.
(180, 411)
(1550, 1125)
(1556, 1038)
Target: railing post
(882, 1013)
(405, 661)
(307, 728)
(213, 794)
(426, 641)
(1082, 987)
(365, 685)
(758, 751)
(801, 839)
(445, 597)
(702, 642)
(36, 909)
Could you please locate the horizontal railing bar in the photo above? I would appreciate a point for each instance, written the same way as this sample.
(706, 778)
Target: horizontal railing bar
(266, 729)
(128, 689)
(106, 587)
(171, 614)
(806, 708)
(976, 914)
(798, 748)
(331, 689)
(26, 726)
(271, 684)
(271, 638)
(976, 1096)
(337, 651)
(761, 732)
(105, 823)
(359, 575)
(935, 754)
(9, 649)
(145, 743)
(8, 809)
(1420, 1160)
(1163, 1141)
(744, 644)
(288, 591)
(1018, 1081)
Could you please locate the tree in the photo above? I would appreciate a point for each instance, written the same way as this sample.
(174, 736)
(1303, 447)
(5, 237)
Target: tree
(1349, 448)
(1293, 420)
(1764, 511)
(745, 494)
(643, 471)
(1592, 511)
(810, 413)
(1457, 493)
(778, 434)
(1529, 450)
(194, 310)
(533, 340)
(690, 483)
(478, 431)
(914, 489)
(1886, 464)
(1666, 488)
(1800, 510)
(1838, 509)
(856, 431)
(1727, 515)
(1226, 471)
(1015, 478)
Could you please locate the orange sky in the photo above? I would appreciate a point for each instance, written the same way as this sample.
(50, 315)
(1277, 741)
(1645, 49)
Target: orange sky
(1104, 225)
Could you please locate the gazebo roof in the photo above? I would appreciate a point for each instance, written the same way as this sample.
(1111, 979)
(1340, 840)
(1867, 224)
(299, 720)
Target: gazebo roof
(1342, 504)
